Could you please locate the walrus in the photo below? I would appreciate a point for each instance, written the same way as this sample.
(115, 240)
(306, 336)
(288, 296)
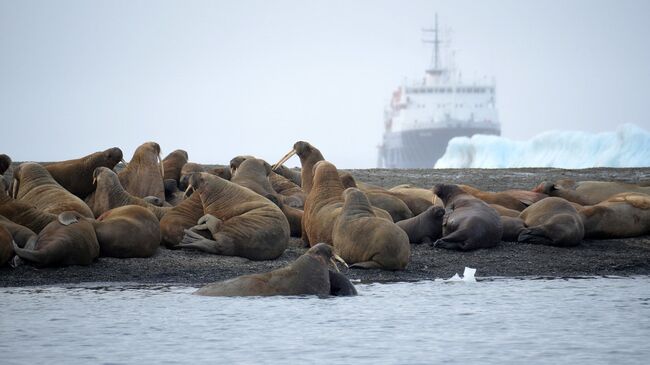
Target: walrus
(221, 171)
(307, 275)
(416, 204)
(425, 227)
(417, 192)
(181, 217)
(173, 163)
(309, 156)
(143, 175)
(293, 194)
(620, 216)
(76, 176)
(552, 221)
(19, 233)
(173, 195)
(470, 222)
(294, 215)
(294, 175)
(366, 241)
(324, 204)
(588, 192)
(500, 198)
(187, 170)
(505, 212)
(128, 231)
(512, 228)
(238, 160)
(70, 240)
(23, 213)
(6, 246)
(33, 184)
(5, 162)
(110, 194)
(383, 199)
(241, 222)
(253, 173)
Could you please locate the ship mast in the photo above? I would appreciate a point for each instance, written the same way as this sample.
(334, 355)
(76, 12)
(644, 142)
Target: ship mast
(434, 68)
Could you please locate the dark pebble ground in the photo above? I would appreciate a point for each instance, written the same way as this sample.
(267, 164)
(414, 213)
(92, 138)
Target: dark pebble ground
(621, 257)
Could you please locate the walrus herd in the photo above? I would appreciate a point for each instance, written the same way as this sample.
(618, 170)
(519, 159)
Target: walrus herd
(72, 212)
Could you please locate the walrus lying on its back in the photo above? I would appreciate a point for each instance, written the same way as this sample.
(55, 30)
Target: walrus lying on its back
(308, 275)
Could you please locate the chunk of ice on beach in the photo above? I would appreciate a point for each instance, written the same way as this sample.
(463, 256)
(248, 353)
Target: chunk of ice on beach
(468, 276)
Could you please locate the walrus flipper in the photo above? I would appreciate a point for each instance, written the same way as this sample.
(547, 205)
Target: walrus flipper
(366, 265)
(449, 245)
(534, 235)
(192, 239)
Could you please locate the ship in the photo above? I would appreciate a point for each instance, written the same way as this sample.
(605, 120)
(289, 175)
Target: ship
(424, 115)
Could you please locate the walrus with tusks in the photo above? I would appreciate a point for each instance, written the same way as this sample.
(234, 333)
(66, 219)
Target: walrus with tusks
(470, 222)
(241, 222)
(308, 275)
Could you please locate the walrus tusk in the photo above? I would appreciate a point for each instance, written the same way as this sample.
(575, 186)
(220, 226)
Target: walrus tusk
(189, 186)
(14, 188)
(94, 180)
(340, 259)
(284, 159)
(162, 168)
(435, 199)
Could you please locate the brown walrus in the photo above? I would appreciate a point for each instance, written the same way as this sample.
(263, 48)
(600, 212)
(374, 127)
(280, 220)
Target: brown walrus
(552, 221)
(143, 175)
(415, 203)
(501, 198)
(425, 227)
(309, 156)
(293, 175)
(512, 228)
(221, 171)
(622, 215)
(381, 198)
(23, 213)
(367, 241)
(33, 184)
(5, 162)
(6, 246)
(76, 176)
(110, 194)
(181, 217)
(308, 275)
(187, 170)
(173, 163)
(241, 222)
(588, 192)
(293, 194)
(70, 240)
(128, 231)
(470, 222)
(19, 234)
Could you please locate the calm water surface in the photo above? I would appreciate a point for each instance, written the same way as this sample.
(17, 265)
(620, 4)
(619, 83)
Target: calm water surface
(588, 321)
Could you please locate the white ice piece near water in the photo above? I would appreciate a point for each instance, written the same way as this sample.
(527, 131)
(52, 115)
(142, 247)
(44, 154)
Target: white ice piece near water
(628, 146)
(468, 276)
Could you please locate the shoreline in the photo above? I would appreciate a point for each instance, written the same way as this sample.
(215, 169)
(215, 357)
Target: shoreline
(619, 257)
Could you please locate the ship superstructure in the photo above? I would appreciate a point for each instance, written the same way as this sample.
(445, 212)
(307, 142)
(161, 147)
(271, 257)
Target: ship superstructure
(423, 116)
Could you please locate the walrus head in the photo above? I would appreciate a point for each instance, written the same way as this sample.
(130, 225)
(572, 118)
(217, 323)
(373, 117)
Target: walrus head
(446, 191)
(545, 187)
(348, 180)
(304, 150)
(104, 174)
(113, 156)
(238, 160)
(222, 172)
(325, 253)
(5, 162)
(195, 182)
(149, 152)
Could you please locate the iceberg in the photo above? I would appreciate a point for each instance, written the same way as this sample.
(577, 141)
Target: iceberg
(628, 146)
(468, 276)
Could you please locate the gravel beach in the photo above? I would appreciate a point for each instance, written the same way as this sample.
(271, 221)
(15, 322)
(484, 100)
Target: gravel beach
(621, 257)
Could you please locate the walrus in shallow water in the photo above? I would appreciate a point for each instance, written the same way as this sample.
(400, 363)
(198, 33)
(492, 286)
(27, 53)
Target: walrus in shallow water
(70, 240)
(241, 222)
(5, 162)
(173, 163)
(76, 176)
(33, 184)
(588, 192)
(110, 194)
(552, 221)
(620, 216)
(470, 222)
(308, 275)
(367, 241)
(143, 175)
(128, 231)
(425, 227)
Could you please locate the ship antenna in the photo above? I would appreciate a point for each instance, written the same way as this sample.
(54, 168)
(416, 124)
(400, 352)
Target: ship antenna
(435, 59)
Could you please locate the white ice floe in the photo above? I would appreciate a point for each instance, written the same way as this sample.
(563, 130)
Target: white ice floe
(628, 146)
(468, 276)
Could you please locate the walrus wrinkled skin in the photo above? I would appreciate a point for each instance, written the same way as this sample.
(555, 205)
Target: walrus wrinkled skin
(23, 213)
(588, 192)
(33, 184)
(366, 241)
(294, 215)
(470, 223)
(76, 176)
(110, 194)
(143, 175)
(308, 275)
(173, 163)
(293, 175)
(552, 221)
(128, 231)
(70, 240)
(425, 227)
(6, 246)
(620, 216)
(293, 194)
(241, 222)
(5, 162)
(181, 217)
(19, 233)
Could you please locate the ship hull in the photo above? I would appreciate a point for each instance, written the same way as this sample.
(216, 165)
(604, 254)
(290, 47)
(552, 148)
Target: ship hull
(421, 148)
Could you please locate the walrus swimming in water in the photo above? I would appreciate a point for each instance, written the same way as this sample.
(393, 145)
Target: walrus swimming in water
(552, 221)
(308, 275)
(622, 215)
(470, 222)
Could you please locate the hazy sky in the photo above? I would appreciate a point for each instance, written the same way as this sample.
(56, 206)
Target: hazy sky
(223, 78)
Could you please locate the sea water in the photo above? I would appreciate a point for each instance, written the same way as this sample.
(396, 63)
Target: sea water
(491, 321)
